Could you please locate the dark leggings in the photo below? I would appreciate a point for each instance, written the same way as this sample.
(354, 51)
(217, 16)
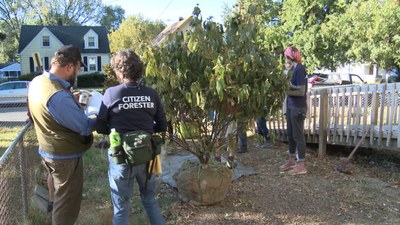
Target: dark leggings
(262, 128)
(295, 128)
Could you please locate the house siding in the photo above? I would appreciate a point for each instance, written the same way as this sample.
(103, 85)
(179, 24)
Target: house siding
(103, 59)
(102, 55)
(36, 46)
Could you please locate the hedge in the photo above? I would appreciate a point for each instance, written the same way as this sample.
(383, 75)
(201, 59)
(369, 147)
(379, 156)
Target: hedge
(91, 80)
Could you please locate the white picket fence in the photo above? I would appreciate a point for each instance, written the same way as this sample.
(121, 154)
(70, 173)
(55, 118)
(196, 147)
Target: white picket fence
(341, 115)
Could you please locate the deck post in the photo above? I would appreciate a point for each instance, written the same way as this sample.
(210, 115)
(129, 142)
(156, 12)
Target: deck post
(323, 118)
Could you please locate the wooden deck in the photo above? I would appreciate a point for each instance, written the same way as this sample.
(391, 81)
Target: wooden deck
(341, 115)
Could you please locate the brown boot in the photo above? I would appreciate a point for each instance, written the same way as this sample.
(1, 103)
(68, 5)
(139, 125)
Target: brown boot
(289, 164)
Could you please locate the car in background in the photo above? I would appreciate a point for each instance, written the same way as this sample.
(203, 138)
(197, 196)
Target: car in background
(394, 76)
(317, 80)
(14, 92)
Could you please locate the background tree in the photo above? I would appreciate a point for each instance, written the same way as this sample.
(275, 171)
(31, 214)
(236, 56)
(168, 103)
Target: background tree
(135, 32)
(2, 36)
(302, 23)
(331, 33)
(111, 17)
(71, 12)
(15, 13)
(228, 71)
(9, 45)
(374, 34)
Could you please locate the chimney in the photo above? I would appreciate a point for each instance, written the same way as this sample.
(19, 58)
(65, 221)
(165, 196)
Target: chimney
(180, 18)
(59, 22)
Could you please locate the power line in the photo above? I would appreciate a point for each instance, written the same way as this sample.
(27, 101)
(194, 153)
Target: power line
(165, 9)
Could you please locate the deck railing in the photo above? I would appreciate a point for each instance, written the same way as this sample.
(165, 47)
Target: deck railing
(341, 115)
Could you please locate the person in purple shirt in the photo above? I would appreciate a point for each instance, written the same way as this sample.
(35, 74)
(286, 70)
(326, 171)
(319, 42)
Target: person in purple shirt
(131, 106)
(63, 131)
(296, 110)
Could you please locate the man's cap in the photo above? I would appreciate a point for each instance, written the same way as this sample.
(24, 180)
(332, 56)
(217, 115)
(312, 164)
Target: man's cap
(70, 52)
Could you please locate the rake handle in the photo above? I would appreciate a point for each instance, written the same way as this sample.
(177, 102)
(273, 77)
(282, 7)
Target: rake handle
(358, 145)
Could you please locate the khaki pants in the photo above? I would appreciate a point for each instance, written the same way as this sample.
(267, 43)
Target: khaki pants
(230, 138)
(68, 184)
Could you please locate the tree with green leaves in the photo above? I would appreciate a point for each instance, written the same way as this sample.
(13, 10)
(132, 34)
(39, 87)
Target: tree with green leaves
(70, 12)
(224, 70)
(303, 25)
(374, 34)
(135, 32)
(111, 17)
(14, 13)
(331, 33)
(9, 44)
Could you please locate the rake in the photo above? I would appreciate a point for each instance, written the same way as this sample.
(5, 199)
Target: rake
(343, 165)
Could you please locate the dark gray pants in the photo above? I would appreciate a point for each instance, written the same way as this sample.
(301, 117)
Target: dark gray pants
(295, 128)
(68, 186)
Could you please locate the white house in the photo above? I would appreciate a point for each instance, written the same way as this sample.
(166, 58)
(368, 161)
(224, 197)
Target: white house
(183, 25)
(10, 70)
(45, 40)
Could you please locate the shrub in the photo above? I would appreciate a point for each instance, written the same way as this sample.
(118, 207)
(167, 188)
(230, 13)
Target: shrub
(111, 78)
(91, 80)
(27, 77)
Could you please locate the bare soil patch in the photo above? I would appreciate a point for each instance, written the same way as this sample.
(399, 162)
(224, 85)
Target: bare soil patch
(370, 195)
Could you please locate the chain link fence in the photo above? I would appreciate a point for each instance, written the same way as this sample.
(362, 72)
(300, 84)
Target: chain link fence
(17, 176)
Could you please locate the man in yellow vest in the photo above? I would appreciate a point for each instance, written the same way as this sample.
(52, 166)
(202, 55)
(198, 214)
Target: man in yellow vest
(63, 130)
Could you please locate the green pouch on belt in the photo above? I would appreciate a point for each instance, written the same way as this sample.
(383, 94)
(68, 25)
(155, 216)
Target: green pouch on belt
(137, 147)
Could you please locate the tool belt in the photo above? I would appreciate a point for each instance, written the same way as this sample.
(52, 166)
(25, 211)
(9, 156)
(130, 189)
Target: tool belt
(140, 147)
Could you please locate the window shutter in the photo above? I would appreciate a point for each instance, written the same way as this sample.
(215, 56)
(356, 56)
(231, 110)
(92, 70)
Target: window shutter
(46, 63)
(31, 65)
(85, 61)
(98, 63)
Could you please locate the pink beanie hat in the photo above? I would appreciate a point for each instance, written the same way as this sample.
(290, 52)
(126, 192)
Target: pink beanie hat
(293, 54)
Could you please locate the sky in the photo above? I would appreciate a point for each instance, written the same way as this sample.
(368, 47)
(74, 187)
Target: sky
(169, 11)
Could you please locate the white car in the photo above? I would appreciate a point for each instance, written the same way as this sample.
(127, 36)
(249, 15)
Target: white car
(14, 92)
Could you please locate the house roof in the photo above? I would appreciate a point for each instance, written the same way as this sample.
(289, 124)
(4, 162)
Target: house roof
(4, 65)
(171, 29)
(67, 35)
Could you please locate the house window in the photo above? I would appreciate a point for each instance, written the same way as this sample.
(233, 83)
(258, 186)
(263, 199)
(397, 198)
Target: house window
(370, 70)
(92, 66)
(46, 41)
(91, 42)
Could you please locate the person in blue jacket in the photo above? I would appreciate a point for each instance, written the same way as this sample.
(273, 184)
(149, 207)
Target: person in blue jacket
(296, 110)
(131, 106)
